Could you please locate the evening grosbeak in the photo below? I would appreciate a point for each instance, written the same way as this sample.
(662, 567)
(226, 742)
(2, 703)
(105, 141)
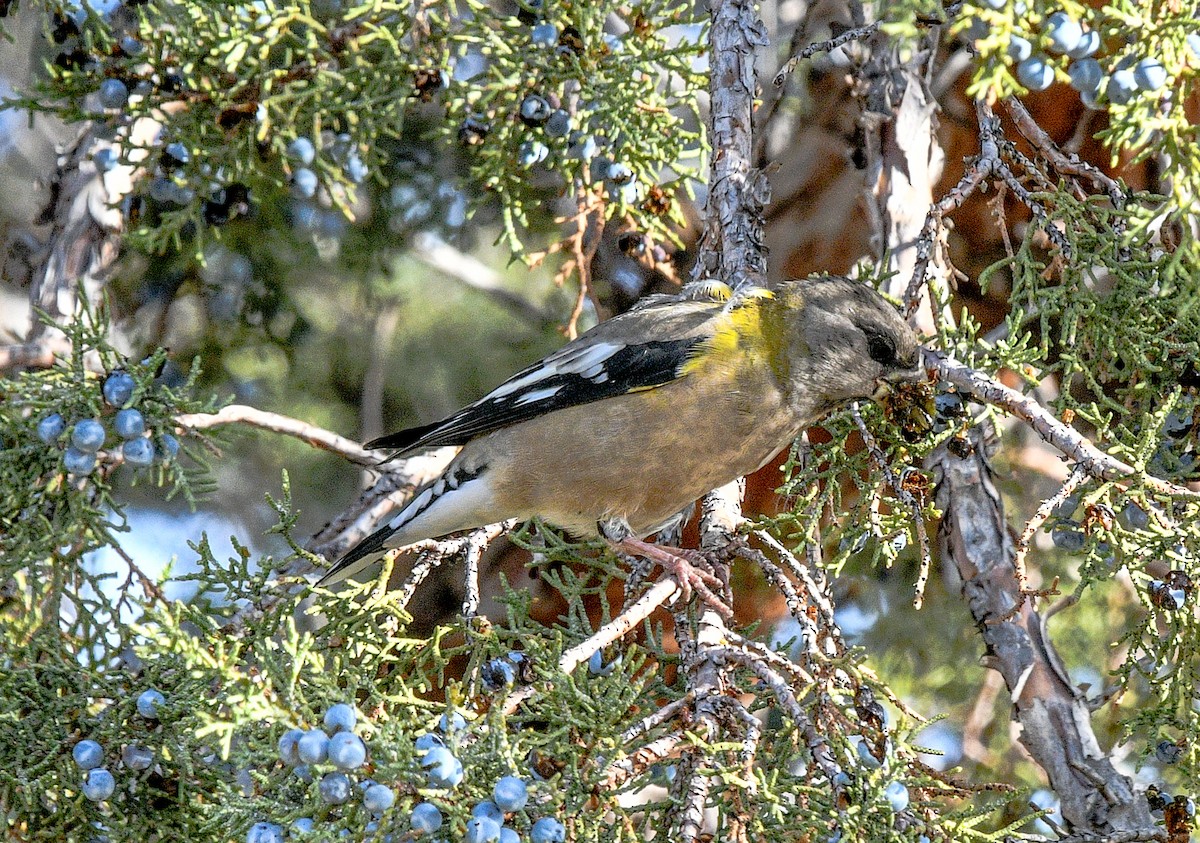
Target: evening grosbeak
(623, 428)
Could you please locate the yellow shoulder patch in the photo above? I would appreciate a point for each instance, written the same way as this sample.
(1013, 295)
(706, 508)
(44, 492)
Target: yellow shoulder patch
(738, 334)
(710, 289)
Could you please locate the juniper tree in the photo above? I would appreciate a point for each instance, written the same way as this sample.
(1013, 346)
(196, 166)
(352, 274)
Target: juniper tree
(264, 196)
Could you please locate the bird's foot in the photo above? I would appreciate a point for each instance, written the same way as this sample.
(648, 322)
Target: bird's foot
(683, 565)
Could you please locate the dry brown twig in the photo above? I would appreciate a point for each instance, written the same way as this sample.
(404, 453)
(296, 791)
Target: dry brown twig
(991, 163)
(1073, 482)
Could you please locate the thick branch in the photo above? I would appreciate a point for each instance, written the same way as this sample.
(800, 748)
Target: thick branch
(706, 672)
(1054, 717)
(732, 246)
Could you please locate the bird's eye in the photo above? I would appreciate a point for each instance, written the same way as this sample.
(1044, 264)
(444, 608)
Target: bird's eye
(881, 348)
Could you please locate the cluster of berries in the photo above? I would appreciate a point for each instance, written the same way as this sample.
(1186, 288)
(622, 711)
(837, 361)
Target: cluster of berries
(98, 782)
(555, 124)
(87, 436)
(175, 182)
(302, 153)
(1069, 44)
(510, 794)
(336, 751)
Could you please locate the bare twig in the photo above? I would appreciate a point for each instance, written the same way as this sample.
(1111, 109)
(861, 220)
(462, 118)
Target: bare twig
(1068, 165)
(645, 755)
(1059, 434)
(583, 249)
(477, 542)
(816, 590)
(968, 184)
(1078, 476)
(440, 255)
(310, 433)
(994, 148)
(662, 593)
(856, 33)
(398, 481)
(38, 354)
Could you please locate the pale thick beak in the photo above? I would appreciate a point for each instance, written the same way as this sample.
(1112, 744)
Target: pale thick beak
(887, 384)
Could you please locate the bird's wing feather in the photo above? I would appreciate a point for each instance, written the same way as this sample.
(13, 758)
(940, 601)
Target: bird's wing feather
(578, 373)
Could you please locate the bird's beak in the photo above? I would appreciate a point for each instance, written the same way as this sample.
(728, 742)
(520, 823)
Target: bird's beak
(887, 384)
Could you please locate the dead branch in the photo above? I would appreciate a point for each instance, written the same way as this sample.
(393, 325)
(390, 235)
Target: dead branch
(1055, 723)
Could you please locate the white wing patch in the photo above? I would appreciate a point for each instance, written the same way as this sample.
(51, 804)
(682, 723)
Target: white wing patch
(538, 395)
(569, 361)
(432, 514)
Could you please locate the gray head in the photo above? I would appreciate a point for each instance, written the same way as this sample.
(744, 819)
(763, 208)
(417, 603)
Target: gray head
(853, 343)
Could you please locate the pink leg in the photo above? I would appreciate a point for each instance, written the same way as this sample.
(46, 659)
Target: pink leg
(674, 561)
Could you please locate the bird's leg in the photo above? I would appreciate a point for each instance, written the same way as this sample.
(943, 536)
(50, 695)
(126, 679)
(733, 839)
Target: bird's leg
(679, 564)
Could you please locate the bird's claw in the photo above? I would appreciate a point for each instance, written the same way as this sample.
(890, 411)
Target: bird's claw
(685, 567)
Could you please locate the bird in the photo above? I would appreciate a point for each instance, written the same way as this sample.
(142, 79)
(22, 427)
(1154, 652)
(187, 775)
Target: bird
(617, 434)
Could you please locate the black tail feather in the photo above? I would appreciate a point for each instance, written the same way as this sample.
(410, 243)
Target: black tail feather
(374, 545)
(404, 439)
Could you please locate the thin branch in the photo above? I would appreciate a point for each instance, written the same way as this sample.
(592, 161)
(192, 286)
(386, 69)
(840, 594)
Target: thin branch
(583, 249)
(1073, 482)
(477, 542)
(644, 756)
(857, 33)
(437, 254)
(994, 148)
(39, 354)
(662, 593)
(309, 433)
(1072, 165)
(1057, 433)
(653, 721)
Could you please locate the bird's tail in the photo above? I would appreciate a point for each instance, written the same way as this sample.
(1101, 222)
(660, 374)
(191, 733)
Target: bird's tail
(362, 556)
(446, 505)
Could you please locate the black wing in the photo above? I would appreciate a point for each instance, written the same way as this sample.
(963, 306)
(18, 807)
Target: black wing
(576, 374)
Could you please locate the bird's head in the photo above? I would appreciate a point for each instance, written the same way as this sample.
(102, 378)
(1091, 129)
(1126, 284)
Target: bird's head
(848, 341)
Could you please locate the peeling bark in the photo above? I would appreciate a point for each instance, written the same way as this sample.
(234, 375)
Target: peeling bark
(731, 249)
(905, 162)
(1054, 717)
